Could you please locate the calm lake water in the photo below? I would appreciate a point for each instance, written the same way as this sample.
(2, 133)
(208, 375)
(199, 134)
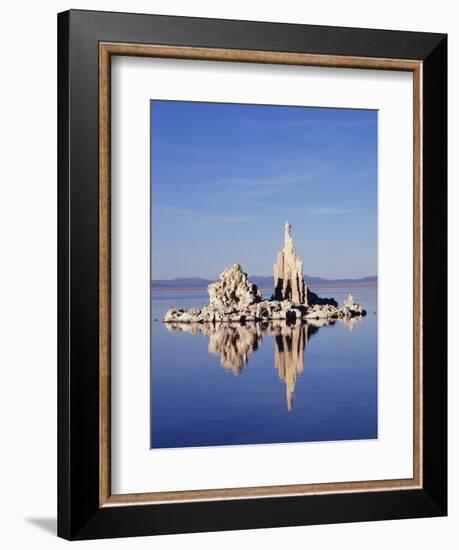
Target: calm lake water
(233, 385)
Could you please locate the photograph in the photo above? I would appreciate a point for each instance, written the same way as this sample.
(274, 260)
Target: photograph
(264, 274)
(251, 328)
(229, 268)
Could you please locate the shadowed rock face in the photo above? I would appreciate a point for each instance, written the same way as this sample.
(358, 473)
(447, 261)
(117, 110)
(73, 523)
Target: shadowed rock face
(288, 273)
(314, 299)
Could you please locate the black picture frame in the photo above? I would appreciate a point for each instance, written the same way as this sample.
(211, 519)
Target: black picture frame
(80, 515)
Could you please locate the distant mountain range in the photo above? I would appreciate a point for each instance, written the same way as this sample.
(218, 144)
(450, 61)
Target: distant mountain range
(260, 281)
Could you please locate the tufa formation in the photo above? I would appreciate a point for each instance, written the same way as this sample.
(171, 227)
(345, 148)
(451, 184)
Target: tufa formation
(234, 299)
(288, 273)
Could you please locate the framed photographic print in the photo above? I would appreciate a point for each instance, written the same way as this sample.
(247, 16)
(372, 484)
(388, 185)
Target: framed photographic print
(252, 275)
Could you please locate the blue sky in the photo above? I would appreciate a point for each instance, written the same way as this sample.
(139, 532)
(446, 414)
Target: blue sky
(226, 177)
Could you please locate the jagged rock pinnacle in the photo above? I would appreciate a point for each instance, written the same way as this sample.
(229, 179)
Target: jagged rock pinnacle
(234, 290)
(288, 273)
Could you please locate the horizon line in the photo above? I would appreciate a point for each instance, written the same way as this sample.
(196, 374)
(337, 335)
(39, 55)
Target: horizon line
(264, 277)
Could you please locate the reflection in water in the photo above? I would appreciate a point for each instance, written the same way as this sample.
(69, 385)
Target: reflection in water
(290, 343)
(350, 322)
(235, 343)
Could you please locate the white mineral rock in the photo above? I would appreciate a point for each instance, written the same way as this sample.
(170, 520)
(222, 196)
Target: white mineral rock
(234, 290)
(352, 306)
(234, 299)
(288, 273)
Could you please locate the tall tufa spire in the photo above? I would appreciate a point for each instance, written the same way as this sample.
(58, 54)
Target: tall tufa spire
(288, 272)
(288, 241)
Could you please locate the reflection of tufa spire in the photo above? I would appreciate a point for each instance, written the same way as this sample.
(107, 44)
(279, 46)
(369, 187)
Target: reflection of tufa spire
(288, 273)
(290, 343)
(235, 343)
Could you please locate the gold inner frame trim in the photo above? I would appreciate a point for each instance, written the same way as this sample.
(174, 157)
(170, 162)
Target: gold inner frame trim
(106, 51)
